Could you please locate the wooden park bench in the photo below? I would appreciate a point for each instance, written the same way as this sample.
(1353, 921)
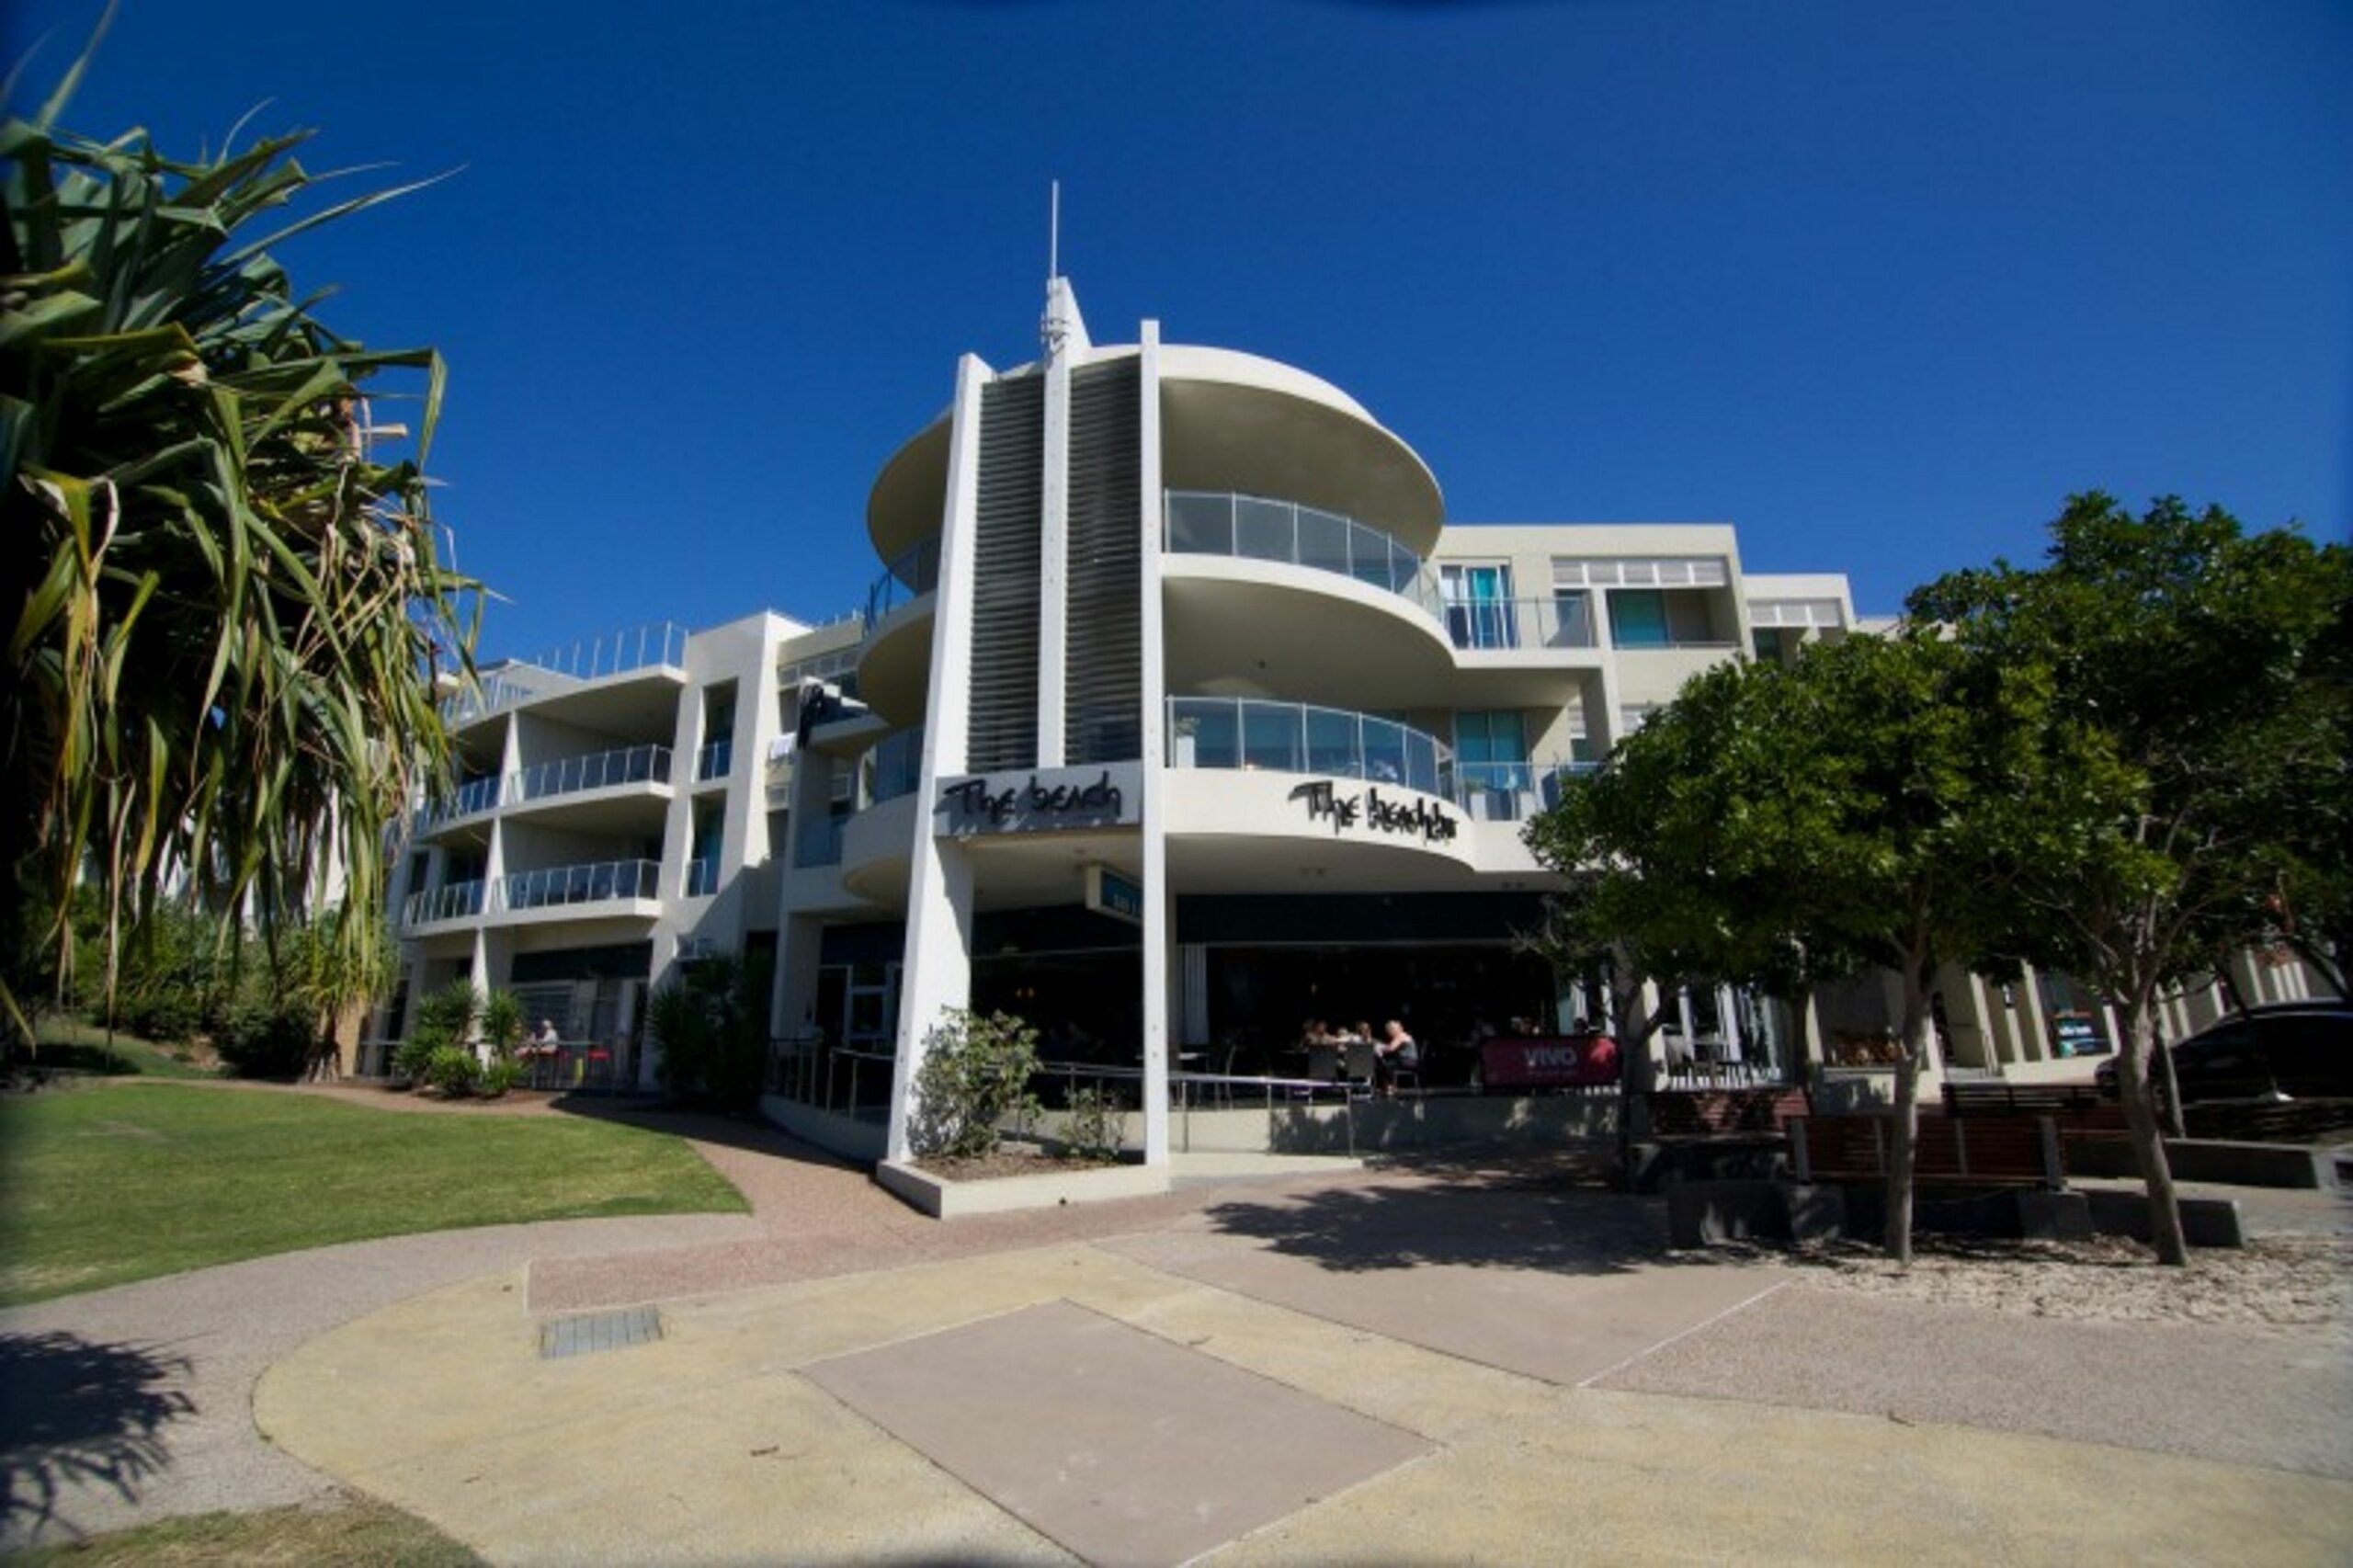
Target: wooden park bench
(2078, 1110)
(1723, 1113)
(2016, 1150)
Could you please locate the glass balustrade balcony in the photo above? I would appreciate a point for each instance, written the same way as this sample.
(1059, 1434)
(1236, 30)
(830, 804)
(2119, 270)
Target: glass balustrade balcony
(1564, 622)
(1511, 791)
(451, 901)
(558, 885)
(818, 840)
(575, 664)
(915, 573)
(715, 760)
(1291, 737)
(596, 770)
(473, 796)
(1252, 527)
(894, 768)
(703, 877)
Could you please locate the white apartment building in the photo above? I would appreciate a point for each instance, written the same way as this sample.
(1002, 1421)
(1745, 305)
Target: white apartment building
(1178, 715)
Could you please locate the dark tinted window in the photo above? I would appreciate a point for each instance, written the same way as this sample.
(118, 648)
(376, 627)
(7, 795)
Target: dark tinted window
(2222, 1064)
(2310, 1054)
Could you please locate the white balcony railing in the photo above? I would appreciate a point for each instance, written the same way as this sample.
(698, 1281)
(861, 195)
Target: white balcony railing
(596, 770)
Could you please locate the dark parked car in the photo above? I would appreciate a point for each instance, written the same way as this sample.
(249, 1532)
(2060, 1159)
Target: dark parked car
(2282, 1049)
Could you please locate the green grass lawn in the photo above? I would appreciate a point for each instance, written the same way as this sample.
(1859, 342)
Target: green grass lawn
(126, 1179)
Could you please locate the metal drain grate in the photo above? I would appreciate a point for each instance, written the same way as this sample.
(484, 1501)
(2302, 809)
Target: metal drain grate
(588, 1335)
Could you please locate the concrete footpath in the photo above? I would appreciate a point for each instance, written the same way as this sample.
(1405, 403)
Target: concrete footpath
(1459, 1362)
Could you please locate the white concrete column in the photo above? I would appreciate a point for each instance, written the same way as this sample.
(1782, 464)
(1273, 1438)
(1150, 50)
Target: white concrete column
(1053, 566)
(938, 971)
(1159, 899)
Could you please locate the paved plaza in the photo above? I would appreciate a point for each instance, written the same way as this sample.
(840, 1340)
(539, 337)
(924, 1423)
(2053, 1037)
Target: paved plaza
(1481, 1360)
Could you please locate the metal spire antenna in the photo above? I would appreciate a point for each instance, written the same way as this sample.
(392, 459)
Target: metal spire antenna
(1054, 232)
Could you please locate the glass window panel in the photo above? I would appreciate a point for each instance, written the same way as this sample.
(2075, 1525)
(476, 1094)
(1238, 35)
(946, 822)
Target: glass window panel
(1322, 540)
(1384, 751)
(1200, 524)
(1263, 529)
(1638, 617)
(1271, 736)
(1421, 762)
(1369, 553)
(1332, 743)
(1208, 729)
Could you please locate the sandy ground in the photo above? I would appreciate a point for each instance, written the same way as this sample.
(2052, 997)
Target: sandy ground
(2288, 1284)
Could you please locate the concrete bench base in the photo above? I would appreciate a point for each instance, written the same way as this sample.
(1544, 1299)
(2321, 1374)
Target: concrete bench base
(1701, 1212)
(2205, 1221)
(2212, 1159)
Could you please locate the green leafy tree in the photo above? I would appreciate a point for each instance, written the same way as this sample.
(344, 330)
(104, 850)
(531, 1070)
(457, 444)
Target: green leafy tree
(1778, 823)
(225, 613)
(1655, 895)
(2214, 664)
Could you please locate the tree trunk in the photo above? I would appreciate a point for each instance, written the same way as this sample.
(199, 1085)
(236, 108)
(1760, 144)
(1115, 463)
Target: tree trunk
(2148, 1146)
(1898, 1235)
(1631, 1031)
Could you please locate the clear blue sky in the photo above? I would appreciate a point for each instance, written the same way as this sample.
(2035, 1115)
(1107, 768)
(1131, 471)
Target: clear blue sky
(1878, 282)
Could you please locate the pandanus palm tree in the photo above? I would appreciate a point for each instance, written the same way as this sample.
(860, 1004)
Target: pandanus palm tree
(226, 613)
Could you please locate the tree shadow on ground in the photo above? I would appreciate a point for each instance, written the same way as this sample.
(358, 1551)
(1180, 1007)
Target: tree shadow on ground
(1542, 1209)
(709, 1127)
(75, 1411)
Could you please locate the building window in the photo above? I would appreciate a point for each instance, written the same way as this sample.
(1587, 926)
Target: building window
(1638, 619)
(1479, 606)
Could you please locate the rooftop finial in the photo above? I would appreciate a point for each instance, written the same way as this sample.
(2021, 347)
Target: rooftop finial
(1059, 329)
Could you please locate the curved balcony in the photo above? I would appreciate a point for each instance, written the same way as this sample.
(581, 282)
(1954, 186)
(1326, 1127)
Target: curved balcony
(1238, 422)
(894, 662)
(1253, 528)
(1295, 737)
(915, 573)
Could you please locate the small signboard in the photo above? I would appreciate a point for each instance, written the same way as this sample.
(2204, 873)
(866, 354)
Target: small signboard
(1548, 1062)
(1114, 893)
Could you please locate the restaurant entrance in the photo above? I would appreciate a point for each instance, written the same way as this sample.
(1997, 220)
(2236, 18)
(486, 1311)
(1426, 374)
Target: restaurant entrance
(1259, 996)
